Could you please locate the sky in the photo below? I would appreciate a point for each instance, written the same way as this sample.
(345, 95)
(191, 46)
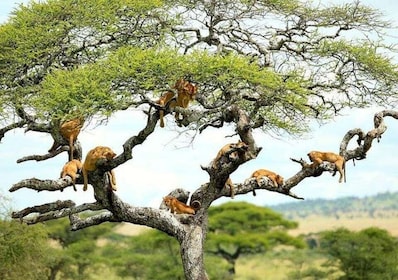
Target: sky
(168, 159)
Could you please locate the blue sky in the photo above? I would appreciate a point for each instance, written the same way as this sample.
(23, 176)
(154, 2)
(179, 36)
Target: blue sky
(165, 162)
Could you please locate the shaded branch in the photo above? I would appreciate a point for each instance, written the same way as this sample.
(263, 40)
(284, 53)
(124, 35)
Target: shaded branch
(250, 185)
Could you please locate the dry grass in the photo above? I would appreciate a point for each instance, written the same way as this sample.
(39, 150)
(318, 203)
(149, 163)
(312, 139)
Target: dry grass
(314, 224)
(128, 229)
(277, 267)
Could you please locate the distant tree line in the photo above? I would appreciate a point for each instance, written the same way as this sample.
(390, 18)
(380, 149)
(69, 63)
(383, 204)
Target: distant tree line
(371, 206)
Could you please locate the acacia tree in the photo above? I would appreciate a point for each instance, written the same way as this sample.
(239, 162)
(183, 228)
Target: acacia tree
(268, 65)
(237, 229)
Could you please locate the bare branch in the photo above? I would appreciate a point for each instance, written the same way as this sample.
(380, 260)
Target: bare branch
(58, 205)
(5, 129)
(135, 140)
(44, 157)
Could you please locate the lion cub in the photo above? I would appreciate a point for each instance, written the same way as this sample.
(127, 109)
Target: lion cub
(275, 178)
(177, 206)
(71, 168)
(240, 148)
(318, 157)
(186, 92)
(99, 152)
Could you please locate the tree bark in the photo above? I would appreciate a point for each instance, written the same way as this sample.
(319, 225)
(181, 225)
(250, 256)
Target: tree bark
(192, 248)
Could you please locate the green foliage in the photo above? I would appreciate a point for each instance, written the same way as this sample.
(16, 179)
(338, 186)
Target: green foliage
(150, 255)
(61, 57)
(42, 37)
(368, 254)
(242, 217)
(239, 228)
(78, 253)
(368, 57)
(130, 73)
(24, 251)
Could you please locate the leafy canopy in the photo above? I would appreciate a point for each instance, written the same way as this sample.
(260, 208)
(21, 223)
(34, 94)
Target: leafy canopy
(285, 62)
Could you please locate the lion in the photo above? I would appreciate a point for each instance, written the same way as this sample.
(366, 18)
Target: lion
(318, 157)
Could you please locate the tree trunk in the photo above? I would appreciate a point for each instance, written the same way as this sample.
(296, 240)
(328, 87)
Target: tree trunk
(192, 253)
(53, 273)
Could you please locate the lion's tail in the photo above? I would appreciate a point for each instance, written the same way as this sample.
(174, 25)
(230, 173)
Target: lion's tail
(345, 173)
(85, 179)
(161, 116)
(71, 147)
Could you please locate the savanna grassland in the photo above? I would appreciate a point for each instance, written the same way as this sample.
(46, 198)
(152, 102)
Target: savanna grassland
(313, 216)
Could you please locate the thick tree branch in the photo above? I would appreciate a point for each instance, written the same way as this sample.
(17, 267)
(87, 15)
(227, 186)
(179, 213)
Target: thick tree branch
(250, 185)
(42, 185)
(77, 223)
(219, 173)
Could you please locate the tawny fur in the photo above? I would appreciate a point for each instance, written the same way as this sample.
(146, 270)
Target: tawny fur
(163, 100)
(230, 185)
(227, 148)
(318, 157)
(177, 206)
(71, 168)
(99, 152)
(276, 179)
(69, 131)
(186, 92)
(112, 180)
